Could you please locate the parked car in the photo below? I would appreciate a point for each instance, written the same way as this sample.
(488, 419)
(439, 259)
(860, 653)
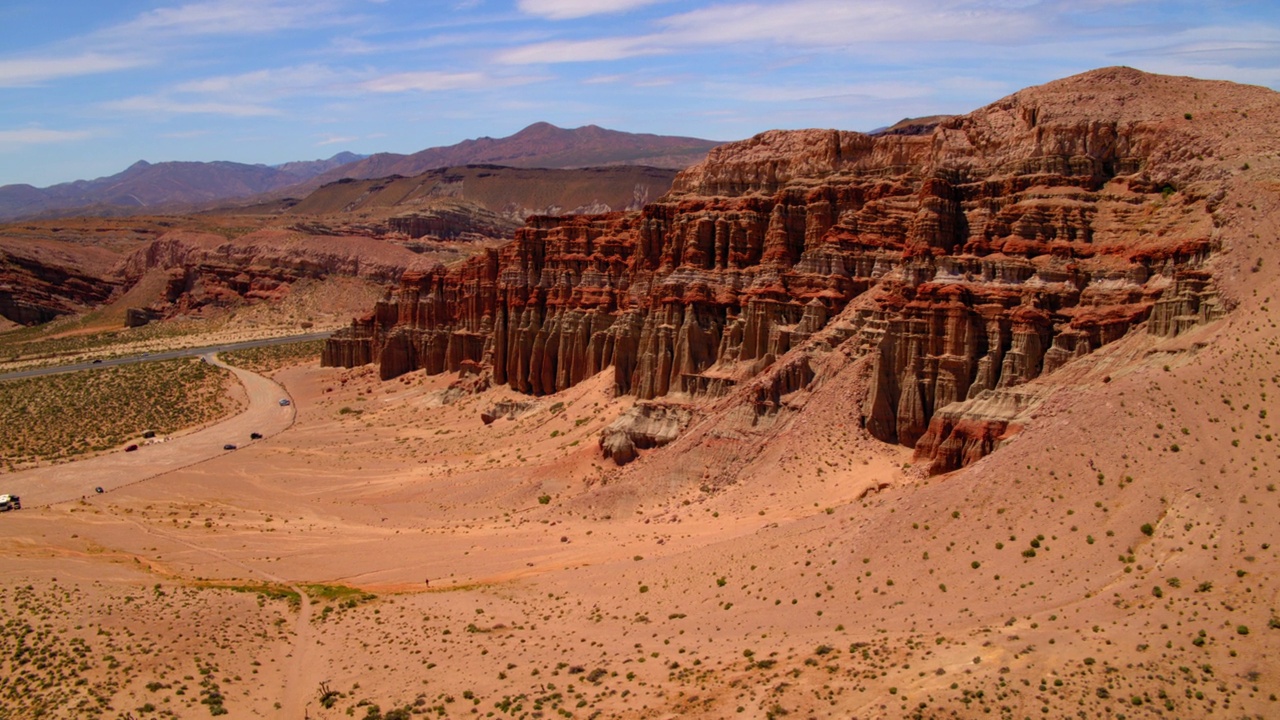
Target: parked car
(10, 502)
(148, 434)
(131, 448)
(284, 402)
(228, 446)
(255, 436)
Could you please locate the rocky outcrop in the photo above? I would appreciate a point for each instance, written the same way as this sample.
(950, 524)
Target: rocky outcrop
(204, 269)
(962, 433)
(451, 223)
(982, 254)
(509, 409)
(643, 426)
(1191, 300)
(38, 284)
(137, 317)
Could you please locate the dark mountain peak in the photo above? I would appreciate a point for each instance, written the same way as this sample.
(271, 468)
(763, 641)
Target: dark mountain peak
(538, 128)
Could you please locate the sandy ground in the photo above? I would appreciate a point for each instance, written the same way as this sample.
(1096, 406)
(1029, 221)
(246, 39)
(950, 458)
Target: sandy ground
(857, 590)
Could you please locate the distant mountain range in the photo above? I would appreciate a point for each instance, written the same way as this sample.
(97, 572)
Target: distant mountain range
(174, 186)
(148, 186)
(540, 145)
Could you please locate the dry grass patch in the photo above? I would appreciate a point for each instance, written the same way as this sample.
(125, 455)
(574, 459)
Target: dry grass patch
(59, 417)
(269, 358)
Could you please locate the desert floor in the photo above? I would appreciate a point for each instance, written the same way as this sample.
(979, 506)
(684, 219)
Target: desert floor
(382, 551)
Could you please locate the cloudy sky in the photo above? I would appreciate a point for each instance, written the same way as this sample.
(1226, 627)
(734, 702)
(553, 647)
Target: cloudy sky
(87, 87)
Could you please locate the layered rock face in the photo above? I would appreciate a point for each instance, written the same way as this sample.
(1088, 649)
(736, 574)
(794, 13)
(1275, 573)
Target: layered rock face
(643, 426)
(964, 262)
(209, 270)
(37, 285)
(449, 224)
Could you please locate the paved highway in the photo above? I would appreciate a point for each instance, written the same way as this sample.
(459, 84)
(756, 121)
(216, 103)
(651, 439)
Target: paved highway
(165, 355)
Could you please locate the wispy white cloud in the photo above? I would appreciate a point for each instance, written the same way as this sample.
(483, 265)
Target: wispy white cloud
(41, 136)
(147, 38)
(166, 105)
(336, 140)
(257, 93)
(19, 72)
(272, 82)
(570, 9)
(568, 51)
(1255, 46)
(425, 81)
(886, 90)
(346, 45)
(800, 24)
(809, 23)
(227, 17)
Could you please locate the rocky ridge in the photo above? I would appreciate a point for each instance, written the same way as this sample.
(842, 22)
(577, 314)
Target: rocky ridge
(207, 269)
(40, 282)
(956, 265)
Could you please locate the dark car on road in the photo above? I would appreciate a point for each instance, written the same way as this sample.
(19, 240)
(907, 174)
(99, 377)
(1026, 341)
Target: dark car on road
(131, 448)
(228, 446)
(255, 436)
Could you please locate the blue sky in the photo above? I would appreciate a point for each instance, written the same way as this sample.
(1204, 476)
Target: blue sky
(87, 87)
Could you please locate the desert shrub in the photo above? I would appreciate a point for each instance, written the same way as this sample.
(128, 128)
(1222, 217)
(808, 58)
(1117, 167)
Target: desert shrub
(44, 417)
(270, 358)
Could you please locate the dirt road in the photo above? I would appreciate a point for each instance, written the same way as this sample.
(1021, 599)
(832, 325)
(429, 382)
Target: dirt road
(60, 483)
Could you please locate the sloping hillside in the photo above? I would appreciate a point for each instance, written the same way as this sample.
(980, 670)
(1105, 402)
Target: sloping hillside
(514, 193)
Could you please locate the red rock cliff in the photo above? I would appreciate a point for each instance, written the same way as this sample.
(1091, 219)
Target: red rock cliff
(208, 269)
(982, 255)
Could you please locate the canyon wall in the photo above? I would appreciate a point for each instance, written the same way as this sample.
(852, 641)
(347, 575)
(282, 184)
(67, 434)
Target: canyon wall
(207, 269)
(36, 288)
(981, 255)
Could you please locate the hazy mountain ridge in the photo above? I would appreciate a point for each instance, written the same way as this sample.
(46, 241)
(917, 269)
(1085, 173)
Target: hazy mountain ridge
(538, 145)
(184, 186)
(153, 185)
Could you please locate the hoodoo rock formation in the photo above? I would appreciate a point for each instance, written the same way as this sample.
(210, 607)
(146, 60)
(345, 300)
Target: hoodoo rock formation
(961, 262)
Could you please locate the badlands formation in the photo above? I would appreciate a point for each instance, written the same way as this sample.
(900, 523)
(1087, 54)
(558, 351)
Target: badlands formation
(965, 419)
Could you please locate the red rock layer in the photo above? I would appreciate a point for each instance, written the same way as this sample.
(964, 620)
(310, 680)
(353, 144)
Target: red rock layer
(984, 254)
(205, 269)
(38, 284)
